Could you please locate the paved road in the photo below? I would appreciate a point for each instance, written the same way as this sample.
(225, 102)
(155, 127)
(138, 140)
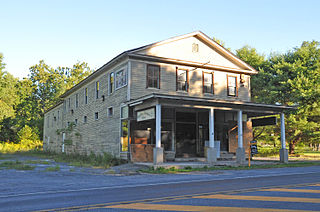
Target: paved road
(285, 188)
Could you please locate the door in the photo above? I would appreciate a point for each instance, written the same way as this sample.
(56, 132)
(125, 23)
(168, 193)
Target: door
(186, 140)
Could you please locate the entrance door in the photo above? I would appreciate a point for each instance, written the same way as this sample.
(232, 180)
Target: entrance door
(186, 140)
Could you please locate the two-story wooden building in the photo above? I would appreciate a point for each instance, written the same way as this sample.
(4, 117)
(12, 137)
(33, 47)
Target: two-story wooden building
(179, 98)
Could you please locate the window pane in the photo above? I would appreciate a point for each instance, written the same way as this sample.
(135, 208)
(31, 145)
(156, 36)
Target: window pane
(153, 76)
(124, 135)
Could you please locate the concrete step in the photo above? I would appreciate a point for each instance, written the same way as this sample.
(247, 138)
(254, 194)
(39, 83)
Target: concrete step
(190, 159)
(227, 156)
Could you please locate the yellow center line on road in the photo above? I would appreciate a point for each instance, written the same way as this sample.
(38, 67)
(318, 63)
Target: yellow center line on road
(261, 198)
(315, 185)
(292, 190)
(160, 207)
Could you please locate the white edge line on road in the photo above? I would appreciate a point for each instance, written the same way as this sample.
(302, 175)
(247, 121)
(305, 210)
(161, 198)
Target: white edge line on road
(151, 184)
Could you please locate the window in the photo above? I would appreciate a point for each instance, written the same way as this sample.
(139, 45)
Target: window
(86, 95)
(85, 119)
(195, 47)
(64, 106)
(182, 80)
(153, 76)
(207, 79)
(96, 116)
(77, 100)
(76, 121)
(97, 89)
(124, 136)
(121, 78)
(55, 118)
(111, 82)
(232, 86)
(124, 113)
(110, 111)
(69, 103)
(58, 115)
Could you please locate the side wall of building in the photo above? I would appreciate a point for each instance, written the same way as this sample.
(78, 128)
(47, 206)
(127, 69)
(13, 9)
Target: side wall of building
(95, 129)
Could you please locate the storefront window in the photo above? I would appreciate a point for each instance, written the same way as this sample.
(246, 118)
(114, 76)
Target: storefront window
(124, 135)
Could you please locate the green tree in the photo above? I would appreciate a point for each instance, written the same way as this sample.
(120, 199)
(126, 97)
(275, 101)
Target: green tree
(8, 90)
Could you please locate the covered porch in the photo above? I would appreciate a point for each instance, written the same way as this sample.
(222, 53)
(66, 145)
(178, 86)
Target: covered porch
(164, 129)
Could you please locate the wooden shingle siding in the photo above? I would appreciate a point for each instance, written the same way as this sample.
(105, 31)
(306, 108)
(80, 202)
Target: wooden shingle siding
(168, 82)
(97, 136)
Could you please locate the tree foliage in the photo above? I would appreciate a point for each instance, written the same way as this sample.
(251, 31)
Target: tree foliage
(23, 102)
(292, 78)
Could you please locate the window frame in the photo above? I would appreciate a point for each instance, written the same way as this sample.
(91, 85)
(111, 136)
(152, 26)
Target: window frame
(86, 95)
(110, 108)
(236, 87)
(187, 82)
(124, 69)
(148, 76)
(97, 89)
(77, 101)
(111, 84)
(96, 116)
(212, 82)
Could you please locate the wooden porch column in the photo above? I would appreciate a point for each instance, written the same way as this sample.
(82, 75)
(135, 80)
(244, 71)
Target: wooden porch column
(240, 130)
(211, 128)
(240, 153)
(158, 125)
(283, 151)
(211, 150)
(158, 150)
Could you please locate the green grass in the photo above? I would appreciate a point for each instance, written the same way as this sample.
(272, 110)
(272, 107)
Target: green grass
(18, 165)
(37, 162)
(92, 160)
(53, 168)
(173, 170)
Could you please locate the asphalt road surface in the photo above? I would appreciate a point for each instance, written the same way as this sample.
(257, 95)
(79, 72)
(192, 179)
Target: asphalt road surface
(281, 189)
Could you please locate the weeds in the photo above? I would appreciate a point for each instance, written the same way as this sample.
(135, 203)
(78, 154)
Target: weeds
(53, 168)
(172, 170)
(23, 146)
(16, 165)
(102, 161)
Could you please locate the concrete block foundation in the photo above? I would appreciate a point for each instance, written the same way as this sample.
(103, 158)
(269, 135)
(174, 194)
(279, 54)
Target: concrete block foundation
(158, 155)
(283, 155)
(211, 155)
(241, 156)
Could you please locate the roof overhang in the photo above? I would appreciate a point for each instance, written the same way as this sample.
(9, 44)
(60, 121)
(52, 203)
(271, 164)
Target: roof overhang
(255, 109)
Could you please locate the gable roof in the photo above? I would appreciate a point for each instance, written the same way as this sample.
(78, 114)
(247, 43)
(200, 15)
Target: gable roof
(134, 53)
(203, 37)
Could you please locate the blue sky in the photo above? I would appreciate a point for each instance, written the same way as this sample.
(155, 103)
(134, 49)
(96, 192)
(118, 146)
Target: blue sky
(64, 32)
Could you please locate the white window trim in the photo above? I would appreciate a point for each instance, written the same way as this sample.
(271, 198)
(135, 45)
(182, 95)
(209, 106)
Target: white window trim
(125, 68)
(112, 111)
(109, 83)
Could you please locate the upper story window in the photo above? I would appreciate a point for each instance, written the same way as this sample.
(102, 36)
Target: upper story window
(182, 80)
(232, 86)
(121, 78)
(111, 83)
(153, 76)
(207, 79)
(97, 90)
(77, 100)
(69, 103)
(64, 106)
(86, 95)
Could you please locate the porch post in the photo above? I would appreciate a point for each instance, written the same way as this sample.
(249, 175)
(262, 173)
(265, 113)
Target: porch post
(211, 150)
(158, 150)
(240, 153)
(283, 150)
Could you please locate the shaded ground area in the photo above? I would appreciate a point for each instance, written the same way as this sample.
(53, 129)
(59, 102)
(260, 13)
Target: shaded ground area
(48, 176)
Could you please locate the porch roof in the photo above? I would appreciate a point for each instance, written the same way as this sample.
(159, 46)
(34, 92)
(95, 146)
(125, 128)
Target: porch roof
(251, 108)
